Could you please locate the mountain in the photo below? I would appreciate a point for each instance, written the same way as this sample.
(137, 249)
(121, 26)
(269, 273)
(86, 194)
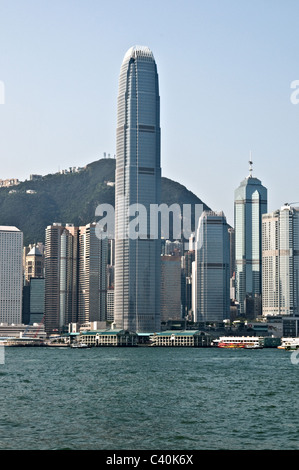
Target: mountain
(72, 198)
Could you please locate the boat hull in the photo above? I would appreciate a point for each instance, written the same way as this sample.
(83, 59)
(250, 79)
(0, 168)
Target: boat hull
(239, 342)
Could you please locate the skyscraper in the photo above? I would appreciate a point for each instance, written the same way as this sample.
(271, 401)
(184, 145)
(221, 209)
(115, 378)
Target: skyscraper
(137, 186)
(61, 261)
(75, 276)
(170, 288)
(37, 300)
(11, 274)
(211, 268)
(93, 255)
(281, 262)
(250, 205)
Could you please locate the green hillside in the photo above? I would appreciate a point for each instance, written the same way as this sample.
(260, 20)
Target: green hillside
(71, 198)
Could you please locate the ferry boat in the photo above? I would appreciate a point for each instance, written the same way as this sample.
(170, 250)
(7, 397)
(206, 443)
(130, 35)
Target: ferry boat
(239, 342)
(289, 344)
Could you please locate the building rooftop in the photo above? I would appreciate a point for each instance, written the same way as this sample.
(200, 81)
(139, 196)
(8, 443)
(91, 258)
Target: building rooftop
(104, 332)
(179, 333)
(8, 228)
(34, 252)
(138, 51)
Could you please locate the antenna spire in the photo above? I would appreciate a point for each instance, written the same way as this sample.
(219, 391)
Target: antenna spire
(250, 165)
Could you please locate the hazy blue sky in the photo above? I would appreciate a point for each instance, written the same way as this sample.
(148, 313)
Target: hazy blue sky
(225, 69)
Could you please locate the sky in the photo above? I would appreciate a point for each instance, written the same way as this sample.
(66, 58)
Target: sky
(225, 73)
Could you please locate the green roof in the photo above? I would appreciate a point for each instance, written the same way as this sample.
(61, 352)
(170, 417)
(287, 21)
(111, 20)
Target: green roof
(103, 332)
(179, 333)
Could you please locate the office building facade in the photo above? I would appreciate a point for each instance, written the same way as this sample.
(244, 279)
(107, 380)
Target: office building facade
(137, 187)
(212, 269)
(61, 271)
(37, 300)
(11, 274)
(93, 259)
(34, 264)
(170, 288)
(75, 276)
(281, 262)
(250, 204)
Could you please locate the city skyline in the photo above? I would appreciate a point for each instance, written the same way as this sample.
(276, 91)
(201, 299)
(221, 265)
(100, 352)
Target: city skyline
(160, 325)
(232, 95)
(137, 181)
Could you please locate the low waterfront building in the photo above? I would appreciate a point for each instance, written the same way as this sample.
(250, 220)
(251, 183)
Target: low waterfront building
(184, 338)
(290, 326)
(88, 326)
(22, 331)
(108, 338)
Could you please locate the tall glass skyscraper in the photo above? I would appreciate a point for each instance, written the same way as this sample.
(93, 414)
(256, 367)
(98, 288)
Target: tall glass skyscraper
(211, 274)
(250, 205)
(137, 186)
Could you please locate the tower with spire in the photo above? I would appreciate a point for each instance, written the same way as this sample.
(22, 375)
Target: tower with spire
(249, 205)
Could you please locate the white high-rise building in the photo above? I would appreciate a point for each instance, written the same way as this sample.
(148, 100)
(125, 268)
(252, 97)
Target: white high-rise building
(211, 274)
(281, 262)
(137, 187)
(11, 274)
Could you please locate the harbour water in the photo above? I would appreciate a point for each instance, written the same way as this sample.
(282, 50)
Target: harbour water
(148, 398)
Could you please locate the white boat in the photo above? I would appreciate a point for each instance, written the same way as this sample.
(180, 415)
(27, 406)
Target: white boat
(239, 342)
(289, 343)
(79, 345)
(56, 344)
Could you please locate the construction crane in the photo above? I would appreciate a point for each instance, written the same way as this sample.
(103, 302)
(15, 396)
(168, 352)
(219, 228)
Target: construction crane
(291, 203)
(39, 326)
(26, 329)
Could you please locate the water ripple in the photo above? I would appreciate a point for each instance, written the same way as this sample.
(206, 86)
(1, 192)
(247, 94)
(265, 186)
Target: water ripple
(148, 398)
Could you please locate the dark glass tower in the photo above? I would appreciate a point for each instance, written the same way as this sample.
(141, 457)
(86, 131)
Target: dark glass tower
(137, 187)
